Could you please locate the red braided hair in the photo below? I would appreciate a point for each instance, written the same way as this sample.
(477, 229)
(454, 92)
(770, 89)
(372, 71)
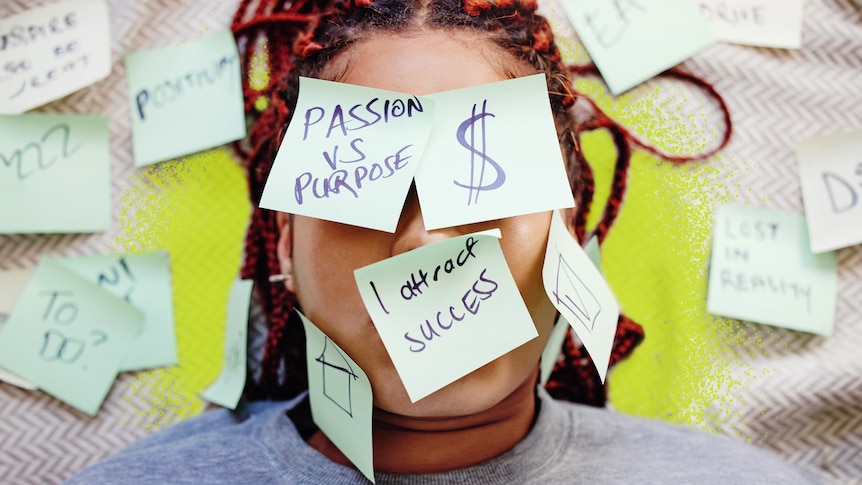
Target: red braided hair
(302, 37)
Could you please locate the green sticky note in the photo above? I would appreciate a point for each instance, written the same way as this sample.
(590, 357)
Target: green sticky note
(349, 146)
(762, 270)
(12, 284)
(552, 349)
(185, 99)
(68, 336)
(631, 41)
(54, 174)
(445, 309)
(477, 165)
(580, 293)
(340, 397)
(228, 386)
(143, 280)
(830, 172)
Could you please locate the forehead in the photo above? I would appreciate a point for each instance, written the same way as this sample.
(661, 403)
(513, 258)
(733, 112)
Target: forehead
(421, 63)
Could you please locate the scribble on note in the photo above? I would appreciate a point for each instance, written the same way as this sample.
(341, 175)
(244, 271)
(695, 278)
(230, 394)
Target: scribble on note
(337, 374)
(571, 292)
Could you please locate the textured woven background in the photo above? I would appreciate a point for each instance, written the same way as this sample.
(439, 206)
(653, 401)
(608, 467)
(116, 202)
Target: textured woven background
(806, 406)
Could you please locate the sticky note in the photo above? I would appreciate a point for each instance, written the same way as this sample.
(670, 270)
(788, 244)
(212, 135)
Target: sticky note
(340, 397)
(762, 270)
(54, 174)
(767, 23)
(493, 153)
(228, 386)
(68, 336)
(349, 154)
(580, 293)
(594, 252)
(12, 284)
(51, 51)
(631, 41)
(830, 171)
(552, 349)
(445, 309)
(185, 98)
(143, 280)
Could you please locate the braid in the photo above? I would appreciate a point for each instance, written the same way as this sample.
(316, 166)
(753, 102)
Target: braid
(301, 38)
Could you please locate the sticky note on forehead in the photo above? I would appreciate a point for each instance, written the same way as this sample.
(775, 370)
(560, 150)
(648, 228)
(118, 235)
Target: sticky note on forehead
(349, 154)
(445, 309)
(493, 153)
(51, 51)
(762, 270)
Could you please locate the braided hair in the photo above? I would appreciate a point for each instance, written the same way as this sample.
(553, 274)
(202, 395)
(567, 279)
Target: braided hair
(304, 38)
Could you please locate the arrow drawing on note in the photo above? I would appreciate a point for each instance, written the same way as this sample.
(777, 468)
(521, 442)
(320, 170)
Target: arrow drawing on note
(575, 296)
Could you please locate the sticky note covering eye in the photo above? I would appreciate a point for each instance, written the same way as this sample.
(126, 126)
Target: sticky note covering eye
(768, 23)
(580, 293)
(51, 51)
(830, 171)
(340, 395)
(349, 154)
(763, 271)
(631, 41)
(68, 336)
(185, 99)
(54, 174)
(493, 153)
(445, 309)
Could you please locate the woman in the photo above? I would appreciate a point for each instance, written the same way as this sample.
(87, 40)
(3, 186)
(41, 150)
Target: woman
(494, 425)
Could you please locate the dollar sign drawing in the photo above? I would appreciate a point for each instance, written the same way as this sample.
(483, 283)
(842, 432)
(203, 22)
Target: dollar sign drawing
(478, 157)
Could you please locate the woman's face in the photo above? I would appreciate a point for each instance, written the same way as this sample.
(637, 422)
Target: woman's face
(324, 254)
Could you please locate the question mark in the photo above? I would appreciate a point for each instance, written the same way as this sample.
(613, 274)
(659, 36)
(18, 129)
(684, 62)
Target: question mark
(101, 334)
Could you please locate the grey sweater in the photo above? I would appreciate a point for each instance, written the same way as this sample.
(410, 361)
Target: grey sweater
(569, 443)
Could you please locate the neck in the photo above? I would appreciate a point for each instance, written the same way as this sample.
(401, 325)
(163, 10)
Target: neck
(408, 445)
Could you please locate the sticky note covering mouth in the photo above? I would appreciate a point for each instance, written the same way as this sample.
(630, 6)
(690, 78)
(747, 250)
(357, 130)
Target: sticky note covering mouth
(445, 309)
